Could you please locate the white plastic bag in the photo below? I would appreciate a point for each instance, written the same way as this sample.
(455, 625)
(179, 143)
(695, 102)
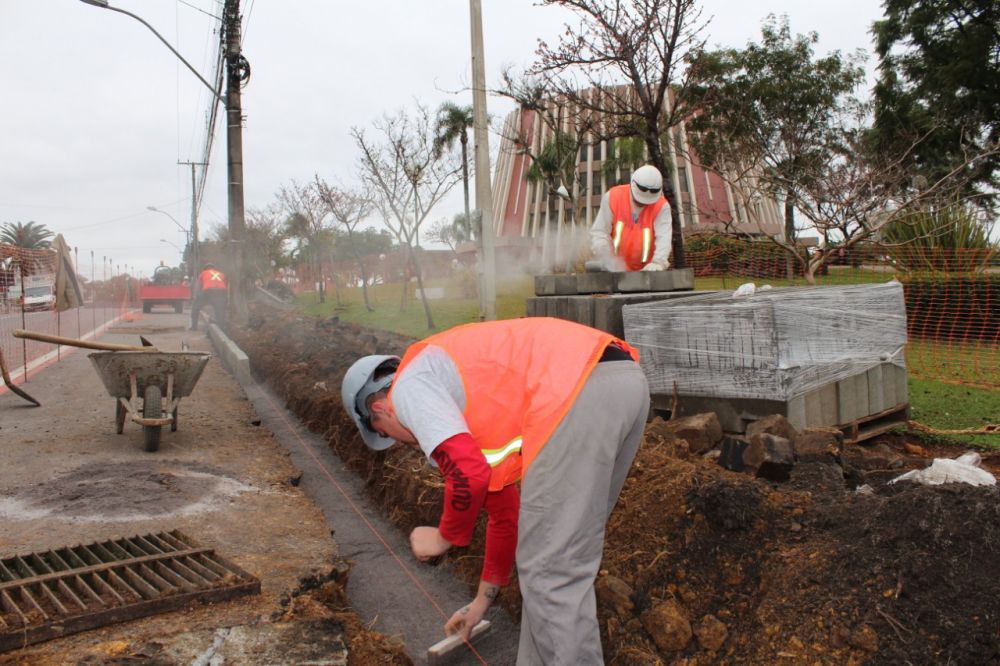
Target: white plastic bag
(964, 469)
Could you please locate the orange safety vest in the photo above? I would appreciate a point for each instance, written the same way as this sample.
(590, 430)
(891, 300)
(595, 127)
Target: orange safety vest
(633, 241)
(210, 278)
(521, 377)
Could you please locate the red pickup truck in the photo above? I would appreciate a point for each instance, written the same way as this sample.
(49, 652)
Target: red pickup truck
(168, 287)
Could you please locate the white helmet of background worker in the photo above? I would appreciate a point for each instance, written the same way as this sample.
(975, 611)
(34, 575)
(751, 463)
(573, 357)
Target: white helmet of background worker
(360, 384)
(647, 184)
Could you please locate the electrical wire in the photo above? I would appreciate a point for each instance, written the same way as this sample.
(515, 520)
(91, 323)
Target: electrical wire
(199, 9)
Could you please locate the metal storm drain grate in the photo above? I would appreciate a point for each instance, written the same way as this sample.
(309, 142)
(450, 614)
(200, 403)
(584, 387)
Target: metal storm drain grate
(63, 591)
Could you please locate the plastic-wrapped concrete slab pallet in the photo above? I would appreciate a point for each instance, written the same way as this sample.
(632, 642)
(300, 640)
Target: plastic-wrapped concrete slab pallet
(821, 356)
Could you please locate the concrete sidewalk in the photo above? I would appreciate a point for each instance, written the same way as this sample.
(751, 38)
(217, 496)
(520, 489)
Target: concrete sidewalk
(67, 478)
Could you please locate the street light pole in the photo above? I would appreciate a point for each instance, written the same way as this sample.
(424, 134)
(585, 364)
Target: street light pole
(173, 245)
(484, 191)
(173, 219)
(235, 68)
(237, 72)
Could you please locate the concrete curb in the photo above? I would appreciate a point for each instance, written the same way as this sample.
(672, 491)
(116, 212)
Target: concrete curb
(233, 358)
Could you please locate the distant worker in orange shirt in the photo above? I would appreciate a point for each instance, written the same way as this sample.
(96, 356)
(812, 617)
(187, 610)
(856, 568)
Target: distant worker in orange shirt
(632, 230)
(210, 288)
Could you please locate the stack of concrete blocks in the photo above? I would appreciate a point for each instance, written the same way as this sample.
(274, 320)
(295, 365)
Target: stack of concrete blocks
(596, 299)
(820, 356)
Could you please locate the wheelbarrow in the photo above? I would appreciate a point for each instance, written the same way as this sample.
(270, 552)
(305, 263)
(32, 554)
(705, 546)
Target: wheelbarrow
(160, 379)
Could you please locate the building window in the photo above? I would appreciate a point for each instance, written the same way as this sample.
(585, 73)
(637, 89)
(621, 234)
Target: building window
(597, 150)
(683, 178)
(596, 187)
(583, 151)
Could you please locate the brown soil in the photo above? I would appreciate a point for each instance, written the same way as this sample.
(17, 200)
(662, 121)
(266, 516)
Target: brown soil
(703, 565)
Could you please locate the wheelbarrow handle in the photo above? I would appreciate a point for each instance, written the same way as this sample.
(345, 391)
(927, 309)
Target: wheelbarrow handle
(73, 342)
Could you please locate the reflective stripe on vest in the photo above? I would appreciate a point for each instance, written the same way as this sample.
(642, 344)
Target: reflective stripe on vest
(647, 243)
(619, 227)
(496, 456)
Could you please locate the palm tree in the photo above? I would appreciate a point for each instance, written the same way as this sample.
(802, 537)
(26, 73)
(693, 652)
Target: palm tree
(32, 236)
(453, 122)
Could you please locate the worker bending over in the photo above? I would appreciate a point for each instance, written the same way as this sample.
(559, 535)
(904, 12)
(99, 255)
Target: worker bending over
(632, 229)
(210, 288)
(553, 404)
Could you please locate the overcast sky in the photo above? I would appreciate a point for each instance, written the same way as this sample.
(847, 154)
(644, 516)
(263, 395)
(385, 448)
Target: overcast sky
(97, 113)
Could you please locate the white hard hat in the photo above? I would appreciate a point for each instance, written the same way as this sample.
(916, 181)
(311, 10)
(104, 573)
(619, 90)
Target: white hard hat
(647, 184)
(358, 385)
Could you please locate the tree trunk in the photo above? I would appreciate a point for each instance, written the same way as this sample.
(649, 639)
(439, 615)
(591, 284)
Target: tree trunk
(790, 235)
(420, 286)
(364, 285)
(677, 235)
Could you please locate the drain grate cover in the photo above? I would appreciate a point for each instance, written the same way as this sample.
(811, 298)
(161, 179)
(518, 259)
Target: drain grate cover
(76, 588)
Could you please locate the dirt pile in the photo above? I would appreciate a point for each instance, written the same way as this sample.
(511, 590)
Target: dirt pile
(703, 565)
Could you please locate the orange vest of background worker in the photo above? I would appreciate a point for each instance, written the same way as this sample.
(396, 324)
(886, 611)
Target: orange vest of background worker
(634, 242)
(212, 278)
(632, 228)
(210, 288)
(556, 404)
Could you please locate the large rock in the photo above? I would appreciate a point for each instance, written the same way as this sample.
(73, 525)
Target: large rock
(775, 424)
(701, 431)
(819, 445)
(614, 593)
(667, 625)
(770, 456)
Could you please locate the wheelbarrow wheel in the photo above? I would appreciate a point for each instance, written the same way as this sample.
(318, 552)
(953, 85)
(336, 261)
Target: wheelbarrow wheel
(119, 416)
(152, 408)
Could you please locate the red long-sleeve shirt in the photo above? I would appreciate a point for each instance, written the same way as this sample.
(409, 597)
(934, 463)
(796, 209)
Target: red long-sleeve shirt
(466, 481)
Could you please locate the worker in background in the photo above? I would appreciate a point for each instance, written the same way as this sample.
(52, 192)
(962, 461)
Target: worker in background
(556, 405)
(210, 288)
(632, 229)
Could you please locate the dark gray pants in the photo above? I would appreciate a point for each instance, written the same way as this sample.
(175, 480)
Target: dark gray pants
(566, 498)
(218, 299)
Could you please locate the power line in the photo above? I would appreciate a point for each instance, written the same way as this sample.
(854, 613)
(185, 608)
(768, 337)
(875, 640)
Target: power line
(188, 4)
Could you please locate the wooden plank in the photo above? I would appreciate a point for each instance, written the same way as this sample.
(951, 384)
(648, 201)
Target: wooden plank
(437, 652)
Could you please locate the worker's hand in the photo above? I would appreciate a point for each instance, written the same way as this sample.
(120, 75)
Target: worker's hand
(653, 266)
(466, 618)
(427, 542)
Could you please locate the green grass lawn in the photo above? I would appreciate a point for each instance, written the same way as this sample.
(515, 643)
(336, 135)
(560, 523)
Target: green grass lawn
(941, 405)
(955, 407)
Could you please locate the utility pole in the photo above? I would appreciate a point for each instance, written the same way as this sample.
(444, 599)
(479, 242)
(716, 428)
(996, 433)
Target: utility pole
(193, 264)
(484, 191)
(237, 71)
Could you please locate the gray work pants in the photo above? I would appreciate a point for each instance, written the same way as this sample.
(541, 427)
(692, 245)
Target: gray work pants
(566, 498)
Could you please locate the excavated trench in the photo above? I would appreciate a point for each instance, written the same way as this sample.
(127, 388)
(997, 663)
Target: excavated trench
(398, 596)
(701, 563)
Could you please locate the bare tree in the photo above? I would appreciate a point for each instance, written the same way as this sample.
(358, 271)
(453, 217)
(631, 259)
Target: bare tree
(620, 71)
(349, 208)
(264, 240)
(853, 195)
(408, 178)
(306, 221)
